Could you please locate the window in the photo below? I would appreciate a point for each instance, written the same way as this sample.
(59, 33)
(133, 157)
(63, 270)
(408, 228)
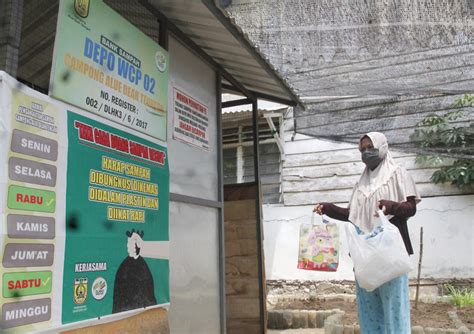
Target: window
(238, 154)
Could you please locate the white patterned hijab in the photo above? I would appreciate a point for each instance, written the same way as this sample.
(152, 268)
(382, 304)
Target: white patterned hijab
(386, 182)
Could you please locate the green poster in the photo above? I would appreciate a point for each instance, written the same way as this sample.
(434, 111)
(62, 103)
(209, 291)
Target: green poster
(116, 250)
(104, 64)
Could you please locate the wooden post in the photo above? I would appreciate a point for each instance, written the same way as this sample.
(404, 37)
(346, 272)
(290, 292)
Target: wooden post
(419, 268)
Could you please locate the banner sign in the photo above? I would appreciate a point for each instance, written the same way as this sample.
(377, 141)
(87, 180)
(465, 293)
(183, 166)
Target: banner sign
(104, 64)
(84, 215)
(190, 120)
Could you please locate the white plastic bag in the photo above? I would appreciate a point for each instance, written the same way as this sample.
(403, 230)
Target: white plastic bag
(378, 256)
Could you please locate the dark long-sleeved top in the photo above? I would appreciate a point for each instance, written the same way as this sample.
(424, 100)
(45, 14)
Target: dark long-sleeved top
(400, 212)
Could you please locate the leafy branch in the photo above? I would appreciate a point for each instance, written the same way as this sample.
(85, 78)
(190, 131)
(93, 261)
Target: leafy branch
(436, 132)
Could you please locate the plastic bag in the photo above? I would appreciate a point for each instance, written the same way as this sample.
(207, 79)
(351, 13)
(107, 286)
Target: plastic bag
(134, 286)
(319, 246)
(378, 256)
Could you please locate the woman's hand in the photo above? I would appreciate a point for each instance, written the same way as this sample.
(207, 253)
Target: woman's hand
(380, 206)
(318, 208)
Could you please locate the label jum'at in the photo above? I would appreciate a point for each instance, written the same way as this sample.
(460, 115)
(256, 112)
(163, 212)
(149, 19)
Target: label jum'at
(28, 255)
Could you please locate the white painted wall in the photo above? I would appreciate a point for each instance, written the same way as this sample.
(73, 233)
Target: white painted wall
(316, 170)
(448, 250)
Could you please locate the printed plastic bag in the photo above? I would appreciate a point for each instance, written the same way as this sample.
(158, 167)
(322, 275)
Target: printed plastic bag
(319, 246)
(378, 256)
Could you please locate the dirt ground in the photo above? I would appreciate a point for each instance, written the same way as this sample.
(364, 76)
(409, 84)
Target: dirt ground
(427, 315)
(466, 314)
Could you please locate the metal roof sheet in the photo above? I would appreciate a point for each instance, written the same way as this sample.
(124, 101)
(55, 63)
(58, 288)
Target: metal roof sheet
(211, 28)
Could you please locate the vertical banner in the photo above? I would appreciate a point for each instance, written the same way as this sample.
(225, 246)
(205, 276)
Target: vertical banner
(29, 209)
(104, 64)
(190, 120)
(84, 208)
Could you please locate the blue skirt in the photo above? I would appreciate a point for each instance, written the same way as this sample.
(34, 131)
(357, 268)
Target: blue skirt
(386, 310)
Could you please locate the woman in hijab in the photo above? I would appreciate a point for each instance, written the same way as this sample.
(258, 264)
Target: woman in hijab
(383, 185)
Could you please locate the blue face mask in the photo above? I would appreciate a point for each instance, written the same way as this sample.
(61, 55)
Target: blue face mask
(370, 157)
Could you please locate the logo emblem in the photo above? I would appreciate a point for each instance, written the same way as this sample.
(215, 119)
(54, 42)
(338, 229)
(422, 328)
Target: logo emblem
(160, 61)
(80, 290)
(82, 7)
(99, 288)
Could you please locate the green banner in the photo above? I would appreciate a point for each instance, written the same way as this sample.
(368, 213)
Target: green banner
(104, 64)
(116, 253)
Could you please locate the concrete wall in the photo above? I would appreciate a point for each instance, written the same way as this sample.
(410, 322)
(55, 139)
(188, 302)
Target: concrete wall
(448, 250)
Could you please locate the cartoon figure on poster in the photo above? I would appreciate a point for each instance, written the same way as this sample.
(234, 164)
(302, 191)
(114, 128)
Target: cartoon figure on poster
(134, 285)
(319, 246)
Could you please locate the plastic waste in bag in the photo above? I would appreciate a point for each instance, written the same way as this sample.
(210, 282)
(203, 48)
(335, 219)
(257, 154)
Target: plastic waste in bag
(378, 256)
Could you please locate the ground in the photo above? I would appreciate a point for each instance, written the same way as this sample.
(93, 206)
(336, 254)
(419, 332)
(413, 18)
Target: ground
(427, 314)
(323, 295)
(297, 331)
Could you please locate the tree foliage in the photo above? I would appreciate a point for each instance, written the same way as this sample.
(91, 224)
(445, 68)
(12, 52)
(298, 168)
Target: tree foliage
(442, 133)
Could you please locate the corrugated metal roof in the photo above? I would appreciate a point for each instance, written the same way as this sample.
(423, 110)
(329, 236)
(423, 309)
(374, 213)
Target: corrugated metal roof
(247, 114)
(215, 33)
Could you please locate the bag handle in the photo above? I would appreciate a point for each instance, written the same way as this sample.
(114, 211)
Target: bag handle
(323, 219)
(383, 218)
